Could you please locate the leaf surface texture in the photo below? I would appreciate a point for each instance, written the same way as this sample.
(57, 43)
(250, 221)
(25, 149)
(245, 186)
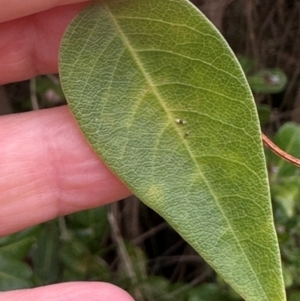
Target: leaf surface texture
(162, 99)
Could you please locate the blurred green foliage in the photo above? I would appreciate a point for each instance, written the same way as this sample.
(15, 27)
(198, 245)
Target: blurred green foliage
(285, 183)
(266, 81)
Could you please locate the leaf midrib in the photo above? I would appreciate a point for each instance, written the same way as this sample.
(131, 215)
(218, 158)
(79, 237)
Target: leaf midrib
(171, 120)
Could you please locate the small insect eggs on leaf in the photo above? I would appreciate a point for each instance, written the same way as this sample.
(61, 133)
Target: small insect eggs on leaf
(180, 121)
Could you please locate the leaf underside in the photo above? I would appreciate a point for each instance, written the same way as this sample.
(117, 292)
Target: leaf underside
(161, 98)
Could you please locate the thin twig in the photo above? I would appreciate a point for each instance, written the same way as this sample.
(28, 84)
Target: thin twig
(278, 151)
(123, 254)
(33, 96)
(185, 287)
(64, 232)
(149, 233)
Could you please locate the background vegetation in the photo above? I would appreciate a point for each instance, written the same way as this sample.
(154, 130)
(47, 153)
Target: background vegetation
(128, 244)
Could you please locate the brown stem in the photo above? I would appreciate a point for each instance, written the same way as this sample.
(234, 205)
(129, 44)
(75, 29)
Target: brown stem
(278, 151)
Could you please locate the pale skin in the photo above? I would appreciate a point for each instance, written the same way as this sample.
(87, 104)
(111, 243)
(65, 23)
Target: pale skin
(46, 167)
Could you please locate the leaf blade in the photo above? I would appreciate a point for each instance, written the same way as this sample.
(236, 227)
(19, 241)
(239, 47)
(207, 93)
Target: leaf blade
(138, 69)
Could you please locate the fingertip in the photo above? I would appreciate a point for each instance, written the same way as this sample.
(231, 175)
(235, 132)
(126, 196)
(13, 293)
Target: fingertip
(30, 44)
(75, 291)
(18, 8)
(55, 173)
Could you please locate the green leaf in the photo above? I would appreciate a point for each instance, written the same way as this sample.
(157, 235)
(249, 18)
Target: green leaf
(14, 274)
(18, 249)
(246, 63)
(208, 292)
(288, 139)
(91, 226)
(268, 81)
(18, 245)
(287, 193)
(264, 112)
(45, 256)
(75, 257)
(285, 176)
(162, 99)
(295, 296)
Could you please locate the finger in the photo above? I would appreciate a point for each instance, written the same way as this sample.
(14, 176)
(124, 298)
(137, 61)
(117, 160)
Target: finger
(75, 291)
(30, 45)
(13, 9)
(47, 169)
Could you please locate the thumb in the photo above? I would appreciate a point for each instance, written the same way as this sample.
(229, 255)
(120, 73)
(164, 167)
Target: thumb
(73, 291)
(13, 9)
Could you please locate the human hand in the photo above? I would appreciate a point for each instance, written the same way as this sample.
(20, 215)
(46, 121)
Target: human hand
(46, 167)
